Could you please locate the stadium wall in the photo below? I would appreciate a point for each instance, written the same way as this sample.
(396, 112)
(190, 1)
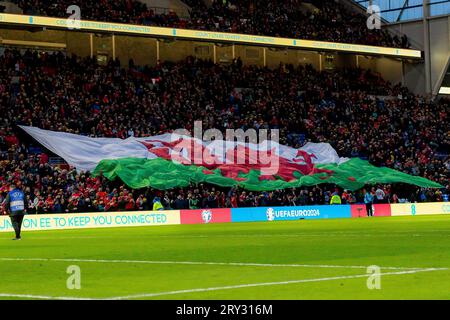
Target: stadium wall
(208, 216)
(147, 51)
(439, 50)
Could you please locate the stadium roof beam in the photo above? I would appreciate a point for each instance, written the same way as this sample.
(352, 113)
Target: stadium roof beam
(405, 4)
(443, 85)
(23, 21)
(32, 44)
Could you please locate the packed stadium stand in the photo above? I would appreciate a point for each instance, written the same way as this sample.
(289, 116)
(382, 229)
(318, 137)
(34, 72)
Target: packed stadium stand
(70, 94)
(224, 149)
(317, 20)
(355, 110)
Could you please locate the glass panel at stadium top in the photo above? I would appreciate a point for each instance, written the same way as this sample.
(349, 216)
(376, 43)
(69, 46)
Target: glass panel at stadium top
(402, 10)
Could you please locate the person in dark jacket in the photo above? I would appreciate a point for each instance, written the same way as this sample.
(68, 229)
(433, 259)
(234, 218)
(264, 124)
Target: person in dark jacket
(212, 201)
(15, 204)
(368, 200)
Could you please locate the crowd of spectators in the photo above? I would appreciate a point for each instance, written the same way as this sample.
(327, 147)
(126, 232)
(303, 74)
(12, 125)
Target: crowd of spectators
(329, 21)
(354, 110)
(121, 11)
(325, 20)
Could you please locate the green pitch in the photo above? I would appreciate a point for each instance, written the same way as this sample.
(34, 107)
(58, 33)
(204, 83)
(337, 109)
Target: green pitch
(324, 259)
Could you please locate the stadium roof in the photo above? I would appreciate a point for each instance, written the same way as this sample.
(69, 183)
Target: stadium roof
(402, 10)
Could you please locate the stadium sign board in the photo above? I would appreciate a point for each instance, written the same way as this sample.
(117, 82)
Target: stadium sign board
(290, 213)
(413, 209)
(379, 210)
(205, 216)
(200, 35)
(93, 220)
(444, 90)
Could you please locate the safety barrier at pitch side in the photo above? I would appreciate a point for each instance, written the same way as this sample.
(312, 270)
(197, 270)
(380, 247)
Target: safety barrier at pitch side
(311, 212)
(402, 209)
(208, 216)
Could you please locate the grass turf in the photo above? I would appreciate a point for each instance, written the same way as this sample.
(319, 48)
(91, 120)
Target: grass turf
(404, 242)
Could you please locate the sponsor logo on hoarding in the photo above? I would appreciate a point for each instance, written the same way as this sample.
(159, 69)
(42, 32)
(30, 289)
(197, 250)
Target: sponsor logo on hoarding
(290, 213)
(297, 213)
(206, 216)
(282, 213)
(270, 214)
(94, 220)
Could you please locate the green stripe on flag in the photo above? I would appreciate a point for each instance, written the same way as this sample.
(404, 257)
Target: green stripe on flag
(164, 174)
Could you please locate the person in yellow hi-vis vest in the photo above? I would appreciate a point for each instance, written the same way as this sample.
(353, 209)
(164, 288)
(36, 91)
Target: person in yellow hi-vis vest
(335, 199)
(157, 205)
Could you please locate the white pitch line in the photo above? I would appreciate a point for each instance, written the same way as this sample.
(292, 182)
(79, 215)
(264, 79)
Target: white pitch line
(264, 284)
(40, 297)
(303, 235)
(157, 294)
(239, 264)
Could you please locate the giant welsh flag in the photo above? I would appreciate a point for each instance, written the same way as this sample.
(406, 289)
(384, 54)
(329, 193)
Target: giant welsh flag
(170, 160)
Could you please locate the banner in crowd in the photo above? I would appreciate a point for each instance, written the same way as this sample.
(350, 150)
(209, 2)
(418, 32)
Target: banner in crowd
(379, 210)
(171, 160)
(412, 209)
(205, 216)
(93, 220)
(290, 213)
